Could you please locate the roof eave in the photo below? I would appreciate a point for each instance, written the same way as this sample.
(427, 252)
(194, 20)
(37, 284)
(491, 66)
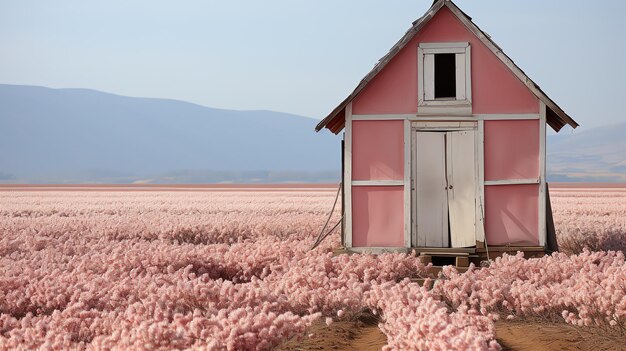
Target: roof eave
(562, 117)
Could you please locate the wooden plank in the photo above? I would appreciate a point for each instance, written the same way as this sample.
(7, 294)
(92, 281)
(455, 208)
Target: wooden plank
(512, 248)
(438, 108)
(462, 261)
(425, 259)
(432, 202)
(444, 254)
(440, 250)
(461, 174)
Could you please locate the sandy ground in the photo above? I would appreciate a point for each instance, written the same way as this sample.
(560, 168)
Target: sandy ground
(360, 335)
(522, 336)
(512, 336)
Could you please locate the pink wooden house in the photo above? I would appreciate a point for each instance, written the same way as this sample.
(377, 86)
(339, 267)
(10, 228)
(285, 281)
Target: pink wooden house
(444, 145)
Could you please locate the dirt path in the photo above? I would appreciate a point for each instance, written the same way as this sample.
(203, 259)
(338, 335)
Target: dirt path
(512, 336)
(342, 335)
(534, 336)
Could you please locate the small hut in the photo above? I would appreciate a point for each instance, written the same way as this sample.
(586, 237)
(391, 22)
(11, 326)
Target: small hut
(445, 146)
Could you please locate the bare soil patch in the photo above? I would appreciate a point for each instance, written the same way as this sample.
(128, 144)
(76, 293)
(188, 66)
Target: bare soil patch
(512, 336)
(538, 336)
(362, 334)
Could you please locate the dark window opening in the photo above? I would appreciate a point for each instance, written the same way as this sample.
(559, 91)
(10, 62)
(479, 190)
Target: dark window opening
(445, 76)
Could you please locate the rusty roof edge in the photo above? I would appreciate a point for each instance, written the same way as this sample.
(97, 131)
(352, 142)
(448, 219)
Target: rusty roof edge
(382, 62)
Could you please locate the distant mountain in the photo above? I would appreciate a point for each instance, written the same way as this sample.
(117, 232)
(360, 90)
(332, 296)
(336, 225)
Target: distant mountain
(596, 154)
(84, 136)
(78, 135)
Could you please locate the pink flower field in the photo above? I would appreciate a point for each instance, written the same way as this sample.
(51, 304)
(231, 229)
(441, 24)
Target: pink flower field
(233, 270)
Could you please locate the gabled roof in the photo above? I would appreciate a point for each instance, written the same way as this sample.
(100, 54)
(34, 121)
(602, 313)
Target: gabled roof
(555, 116)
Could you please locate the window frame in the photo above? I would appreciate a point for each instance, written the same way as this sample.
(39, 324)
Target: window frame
(427, 104)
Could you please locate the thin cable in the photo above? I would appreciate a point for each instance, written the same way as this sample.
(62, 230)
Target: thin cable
(327, 234)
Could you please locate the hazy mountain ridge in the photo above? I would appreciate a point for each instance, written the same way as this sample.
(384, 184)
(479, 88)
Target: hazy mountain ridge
(596, 154)
(80, 135)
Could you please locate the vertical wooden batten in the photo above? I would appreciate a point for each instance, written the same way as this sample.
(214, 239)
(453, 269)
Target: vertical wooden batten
(407, 183)
(480, 182)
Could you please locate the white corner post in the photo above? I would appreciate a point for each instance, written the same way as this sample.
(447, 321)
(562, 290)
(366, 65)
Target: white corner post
(542, 174)
(347, 178)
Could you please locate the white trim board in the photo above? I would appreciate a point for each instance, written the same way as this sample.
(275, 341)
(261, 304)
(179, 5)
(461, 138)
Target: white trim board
(413, 188)
(377, 182)
(509, 116)
(512, 181)
(480, 182)
(407, 183)
(414, 117)
(445, 45)
(377, 117)
(427, 103)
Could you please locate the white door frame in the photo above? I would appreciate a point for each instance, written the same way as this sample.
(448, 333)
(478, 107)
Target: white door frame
(445, 126)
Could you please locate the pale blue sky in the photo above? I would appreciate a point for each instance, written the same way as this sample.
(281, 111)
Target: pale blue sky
(300, 57)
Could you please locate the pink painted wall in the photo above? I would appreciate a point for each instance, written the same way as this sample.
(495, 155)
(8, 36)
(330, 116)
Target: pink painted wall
(377, 150)
(494, 88)
(512, 149)
(377, 216)
(511, 215)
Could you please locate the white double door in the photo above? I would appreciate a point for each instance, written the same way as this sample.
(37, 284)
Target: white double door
(445, 183)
